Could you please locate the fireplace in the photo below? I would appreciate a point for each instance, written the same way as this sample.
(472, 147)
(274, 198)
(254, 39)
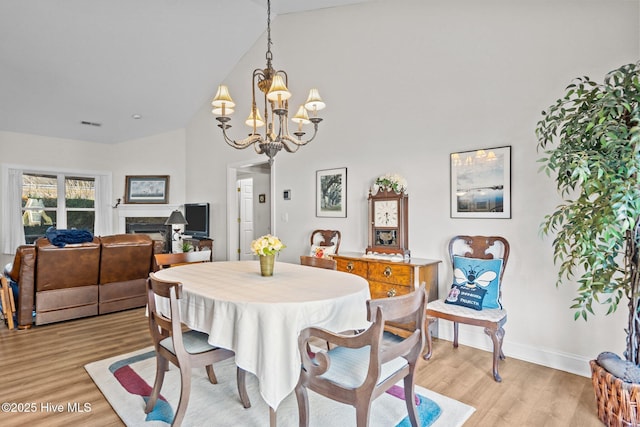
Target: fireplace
(148, 219)
(153, 227)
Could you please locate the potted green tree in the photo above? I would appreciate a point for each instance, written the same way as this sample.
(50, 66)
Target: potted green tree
(591, 144)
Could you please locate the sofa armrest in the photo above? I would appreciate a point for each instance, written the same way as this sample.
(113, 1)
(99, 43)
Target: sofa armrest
(25, 264)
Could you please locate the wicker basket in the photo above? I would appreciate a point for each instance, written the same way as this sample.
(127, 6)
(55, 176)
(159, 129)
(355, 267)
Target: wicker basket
(617, 400)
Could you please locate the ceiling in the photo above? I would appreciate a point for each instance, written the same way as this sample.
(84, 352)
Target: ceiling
(65, 62)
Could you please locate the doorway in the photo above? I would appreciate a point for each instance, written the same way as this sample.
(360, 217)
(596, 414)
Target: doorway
(249, 206)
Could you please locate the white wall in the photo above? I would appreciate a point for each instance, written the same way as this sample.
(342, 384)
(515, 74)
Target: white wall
(406, 83)
(162, 154)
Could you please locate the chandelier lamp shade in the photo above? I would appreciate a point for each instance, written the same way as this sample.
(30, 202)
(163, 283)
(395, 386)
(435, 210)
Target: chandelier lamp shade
(273, 122)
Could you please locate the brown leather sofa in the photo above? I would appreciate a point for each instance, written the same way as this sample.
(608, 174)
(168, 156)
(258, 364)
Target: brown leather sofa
(83, 279)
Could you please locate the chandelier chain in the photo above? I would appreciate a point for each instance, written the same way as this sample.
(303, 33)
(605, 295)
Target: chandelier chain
(273, 85)
(269, 55)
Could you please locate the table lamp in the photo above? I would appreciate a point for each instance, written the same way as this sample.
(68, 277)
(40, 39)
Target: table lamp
(176, 218)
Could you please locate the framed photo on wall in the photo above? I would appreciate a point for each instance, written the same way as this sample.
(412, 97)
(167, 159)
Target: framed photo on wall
(147, 189)
(331, 193)
(481, 183)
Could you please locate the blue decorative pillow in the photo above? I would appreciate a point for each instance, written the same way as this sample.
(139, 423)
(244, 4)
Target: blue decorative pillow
(482, 273)
(466, 297)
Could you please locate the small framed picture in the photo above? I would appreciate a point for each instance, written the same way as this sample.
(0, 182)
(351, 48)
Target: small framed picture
(147, 189)
(331, 193)
(481, 183)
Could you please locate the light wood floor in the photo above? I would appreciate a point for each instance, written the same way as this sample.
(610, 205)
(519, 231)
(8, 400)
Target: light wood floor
(45, 365)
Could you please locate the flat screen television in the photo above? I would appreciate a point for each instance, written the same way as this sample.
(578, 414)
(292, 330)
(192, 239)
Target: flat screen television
(197, 216)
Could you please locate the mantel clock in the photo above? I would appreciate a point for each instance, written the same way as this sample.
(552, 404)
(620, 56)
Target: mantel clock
(388, 223)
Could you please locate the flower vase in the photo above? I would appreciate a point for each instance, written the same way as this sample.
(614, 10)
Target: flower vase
(266, 264)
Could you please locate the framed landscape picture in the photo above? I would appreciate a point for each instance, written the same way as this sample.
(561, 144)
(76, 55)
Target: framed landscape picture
(147, 189)
(481, 183)
(331, 193)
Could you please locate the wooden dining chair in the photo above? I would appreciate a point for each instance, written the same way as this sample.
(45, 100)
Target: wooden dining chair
(181, 258)
(361, 367)
(186, 350)
(328, 263)
(475, 297)
(8, 303)
(324, 243)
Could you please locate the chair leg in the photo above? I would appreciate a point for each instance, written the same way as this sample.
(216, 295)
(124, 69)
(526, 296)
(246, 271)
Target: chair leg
(455, 334)
(410, 400)
(161, 367)
(211, 374)
(242, 387)
(12, 308)
(362, 413)
(497, 336)
(8, 306)
(428, 321)
(303, 405)
(185, 391)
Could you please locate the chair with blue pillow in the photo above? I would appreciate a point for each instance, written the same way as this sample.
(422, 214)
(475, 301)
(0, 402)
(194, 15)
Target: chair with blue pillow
(475, 297)
(361, 367)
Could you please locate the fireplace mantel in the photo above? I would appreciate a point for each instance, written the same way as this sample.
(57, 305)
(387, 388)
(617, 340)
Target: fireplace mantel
(142, 210)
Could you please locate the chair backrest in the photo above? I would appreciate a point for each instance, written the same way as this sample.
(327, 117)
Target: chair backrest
(125, 257)
(328, 263)
(481, 247)
(326, 238)
(180, 258)
(409, 312)
(80, 263)
(162, 326)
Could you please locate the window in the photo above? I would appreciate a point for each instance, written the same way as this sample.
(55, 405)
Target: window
(56, 200)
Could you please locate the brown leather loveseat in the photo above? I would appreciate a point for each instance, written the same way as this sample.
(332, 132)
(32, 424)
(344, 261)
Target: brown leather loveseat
(82, 279)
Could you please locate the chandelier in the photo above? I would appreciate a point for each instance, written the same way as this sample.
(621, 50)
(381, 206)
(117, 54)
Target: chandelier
(273, 86)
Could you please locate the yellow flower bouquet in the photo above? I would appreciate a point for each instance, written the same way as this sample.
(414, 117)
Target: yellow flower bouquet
(267, 245)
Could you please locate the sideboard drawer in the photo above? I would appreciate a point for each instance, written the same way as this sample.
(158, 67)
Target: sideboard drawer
(387, 290)
(389, 273)
(352, 266)
(388, 279)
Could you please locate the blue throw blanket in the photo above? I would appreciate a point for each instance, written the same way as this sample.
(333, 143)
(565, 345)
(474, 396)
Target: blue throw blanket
(60, 238)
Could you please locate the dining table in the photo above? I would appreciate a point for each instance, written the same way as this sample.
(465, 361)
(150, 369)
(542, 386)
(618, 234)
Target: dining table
(260, 317)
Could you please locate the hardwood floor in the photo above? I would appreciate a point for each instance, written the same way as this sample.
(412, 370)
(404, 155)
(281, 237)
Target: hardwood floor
(45, 365)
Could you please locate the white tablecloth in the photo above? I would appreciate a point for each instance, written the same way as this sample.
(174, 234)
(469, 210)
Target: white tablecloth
(259, 318)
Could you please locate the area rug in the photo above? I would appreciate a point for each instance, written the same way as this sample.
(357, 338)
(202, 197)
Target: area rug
(126, 381)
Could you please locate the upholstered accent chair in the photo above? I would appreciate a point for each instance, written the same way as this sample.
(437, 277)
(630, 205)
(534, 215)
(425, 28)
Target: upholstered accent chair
(475, 297)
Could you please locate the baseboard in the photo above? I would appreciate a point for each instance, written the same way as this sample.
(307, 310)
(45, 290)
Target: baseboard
(476, 338)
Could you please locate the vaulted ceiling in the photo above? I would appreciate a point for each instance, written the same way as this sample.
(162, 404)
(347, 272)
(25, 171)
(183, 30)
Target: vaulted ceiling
(101, 62)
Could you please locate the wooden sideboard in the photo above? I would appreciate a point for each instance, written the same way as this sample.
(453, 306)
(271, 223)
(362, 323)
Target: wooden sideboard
(388, 278)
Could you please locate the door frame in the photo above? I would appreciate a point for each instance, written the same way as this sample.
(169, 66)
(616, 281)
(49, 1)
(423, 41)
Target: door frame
(232, 202)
